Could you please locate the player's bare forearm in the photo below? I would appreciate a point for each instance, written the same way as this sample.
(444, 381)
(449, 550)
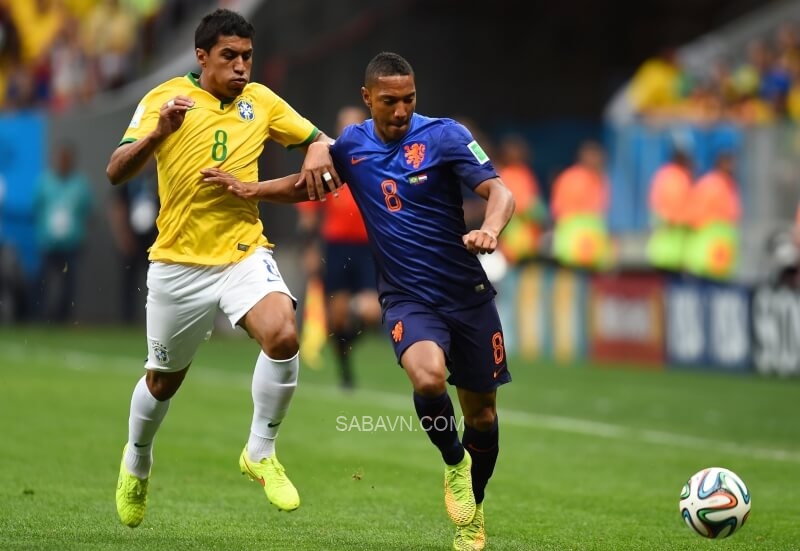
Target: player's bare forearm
(318, 171)
(322, 137)
(128, 159)
(287, 189)
(499, 208)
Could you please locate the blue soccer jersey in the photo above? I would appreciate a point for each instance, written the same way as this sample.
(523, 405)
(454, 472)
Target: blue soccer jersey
(409, 194)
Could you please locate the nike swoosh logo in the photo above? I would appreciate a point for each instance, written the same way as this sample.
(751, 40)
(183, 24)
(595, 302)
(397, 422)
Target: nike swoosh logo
(255, 477)
(498, 372)
(354, 161)
(135, 445)
(273, 425)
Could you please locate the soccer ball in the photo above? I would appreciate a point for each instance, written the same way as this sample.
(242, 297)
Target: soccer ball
(715, 502)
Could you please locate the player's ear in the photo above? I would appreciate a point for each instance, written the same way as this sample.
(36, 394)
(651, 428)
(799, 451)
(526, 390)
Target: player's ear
(201, 56)
(365, 97)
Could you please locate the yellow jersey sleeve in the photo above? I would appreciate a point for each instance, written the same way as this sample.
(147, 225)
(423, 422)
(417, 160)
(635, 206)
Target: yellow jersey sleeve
(286, 124)
(145, 116)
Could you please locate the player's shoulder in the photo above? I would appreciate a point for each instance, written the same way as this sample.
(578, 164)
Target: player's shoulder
(444, 133)
(171, 88)
(260, 92)
(355, 131)
(438, 126)
(258, 89)
(355, 134)
(433, 122)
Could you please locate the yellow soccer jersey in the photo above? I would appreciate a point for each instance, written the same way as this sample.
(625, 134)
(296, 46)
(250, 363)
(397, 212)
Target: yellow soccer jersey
(202, 224)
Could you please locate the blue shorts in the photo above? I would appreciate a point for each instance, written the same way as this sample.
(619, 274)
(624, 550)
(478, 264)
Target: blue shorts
(472, 341)
(348, 267)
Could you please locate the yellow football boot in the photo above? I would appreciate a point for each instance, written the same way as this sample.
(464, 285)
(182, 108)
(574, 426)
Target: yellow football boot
(131, 495)
(458, 496)
(471, 537)
(272, 476)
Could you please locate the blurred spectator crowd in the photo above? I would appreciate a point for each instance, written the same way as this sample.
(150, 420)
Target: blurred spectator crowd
(56, 54)
(695, 216)
(760, 85)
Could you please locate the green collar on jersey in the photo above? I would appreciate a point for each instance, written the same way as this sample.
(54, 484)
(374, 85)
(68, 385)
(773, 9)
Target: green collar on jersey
(194, 78)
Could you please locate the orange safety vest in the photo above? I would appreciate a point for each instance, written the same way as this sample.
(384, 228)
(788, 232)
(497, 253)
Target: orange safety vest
(579, 202)
(714, 213)
(669, 193)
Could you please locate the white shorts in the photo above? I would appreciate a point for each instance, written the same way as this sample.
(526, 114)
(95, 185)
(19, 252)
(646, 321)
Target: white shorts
(183, 301)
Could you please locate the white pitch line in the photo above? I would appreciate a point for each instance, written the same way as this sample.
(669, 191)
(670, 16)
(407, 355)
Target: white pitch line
(87, 361)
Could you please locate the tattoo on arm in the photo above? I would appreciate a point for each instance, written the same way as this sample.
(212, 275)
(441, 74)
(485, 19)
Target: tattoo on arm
(129, 159)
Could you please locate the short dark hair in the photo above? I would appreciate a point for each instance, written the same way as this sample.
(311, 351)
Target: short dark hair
(386, 64)
(218, 23)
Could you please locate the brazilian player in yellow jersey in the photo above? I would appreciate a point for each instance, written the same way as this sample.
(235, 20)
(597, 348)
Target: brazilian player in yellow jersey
(198, 227)
(211, 254)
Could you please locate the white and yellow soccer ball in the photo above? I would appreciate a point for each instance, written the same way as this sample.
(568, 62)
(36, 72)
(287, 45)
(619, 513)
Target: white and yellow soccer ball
(715, 502)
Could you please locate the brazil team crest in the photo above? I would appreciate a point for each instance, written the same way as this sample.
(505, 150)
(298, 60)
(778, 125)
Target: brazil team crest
(160, 352)
(245, 109)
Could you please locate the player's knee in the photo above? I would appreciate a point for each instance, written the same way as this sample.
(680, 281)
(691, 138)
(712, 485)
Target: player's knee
(281, 344)
(424, 364)
(430, 383)
(481, 420)
(163, 386)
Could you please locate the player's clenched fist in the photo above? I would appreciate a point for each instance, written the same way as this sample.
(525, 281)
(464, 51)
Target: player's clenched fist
(172, 113)
(480, 241)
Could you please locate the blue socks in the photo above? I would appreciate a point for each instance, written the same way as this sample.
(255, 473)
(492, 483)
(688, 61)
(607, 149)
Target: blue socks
(437, 419)
(483, 447)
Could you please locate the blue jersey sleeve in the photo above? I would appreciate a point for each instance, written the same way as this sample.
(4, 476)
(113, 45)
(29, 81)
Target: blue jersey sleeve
(469, 162)
(342, 148)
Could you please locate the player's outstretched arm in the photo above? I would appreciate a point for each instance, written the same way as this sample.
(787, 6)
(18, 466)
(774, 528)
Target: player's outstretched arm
(288, 189)
(499, 209)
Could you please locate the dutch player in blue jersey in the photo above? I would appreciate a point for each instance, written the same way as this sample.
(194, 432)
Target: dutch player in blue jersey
(405, 172)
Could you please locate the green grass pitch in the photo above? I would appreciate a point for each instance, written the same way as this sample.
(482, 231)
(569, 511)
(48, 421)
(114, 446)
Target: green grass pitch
(591, 458)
